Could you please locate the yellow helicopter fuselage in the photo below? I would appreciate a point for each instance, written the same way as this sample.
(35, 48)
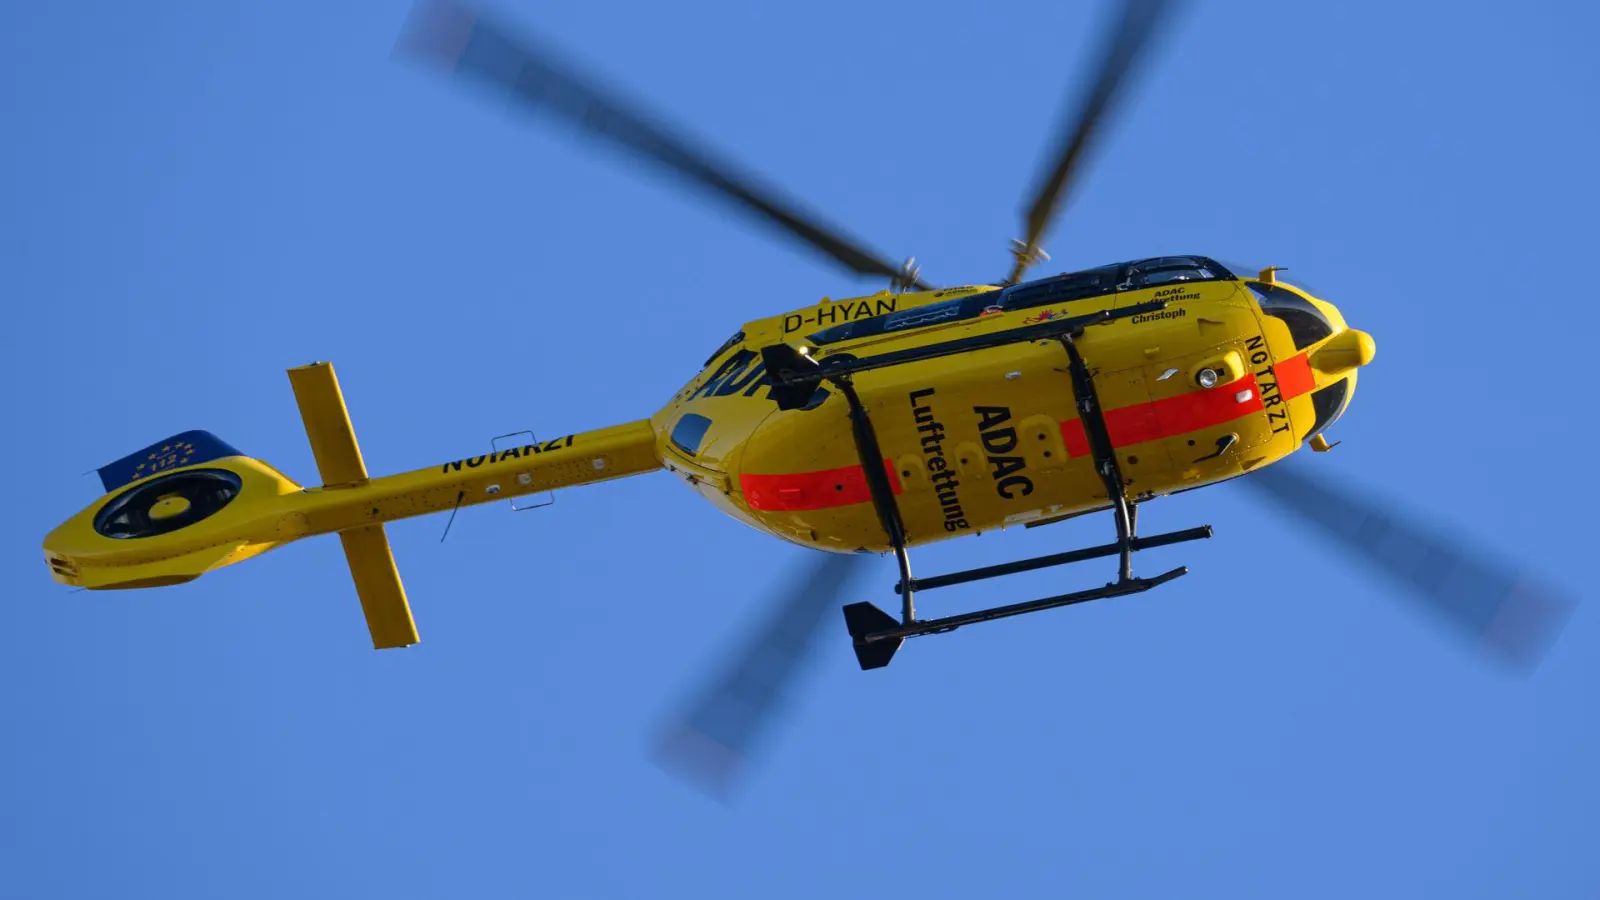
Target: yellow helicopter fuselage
(993, 438)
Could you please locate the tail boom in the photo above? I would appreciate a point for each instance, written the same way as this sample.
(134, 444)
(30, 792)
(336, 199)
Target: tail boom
(187, 530)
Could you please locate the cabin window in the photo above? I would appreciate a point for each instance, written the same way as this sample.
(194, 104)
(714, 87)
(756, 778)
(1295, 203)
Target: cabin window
(1063, 288)
(1163, 270)
(1329, 403)
(690, 431)
(955, 310)
(920, 316)
(1307, 324)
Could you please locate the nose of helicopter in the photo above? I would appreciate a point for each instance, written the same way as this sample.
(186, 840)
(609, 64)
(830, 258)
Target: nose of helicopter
(1336, 363)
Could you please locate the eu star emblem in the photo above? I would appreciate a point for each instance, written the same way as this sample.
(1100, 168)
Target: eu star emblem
(171, 456)
(190, 448)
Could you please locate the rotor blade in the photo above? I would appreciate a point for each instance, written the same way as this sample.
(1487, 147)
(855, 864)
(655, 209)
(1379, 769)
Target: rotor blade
(462, 40)
(1140, 19)
(1501, 609)
(712, 741)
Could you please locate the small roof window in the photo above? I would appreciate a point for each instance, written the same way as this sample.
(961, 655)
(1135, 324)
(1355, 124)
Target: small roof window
(1169, 269)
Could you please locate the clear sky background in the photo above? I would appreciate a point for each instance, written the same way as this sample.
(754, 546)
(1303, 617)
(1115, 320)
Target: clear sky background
(197, 196)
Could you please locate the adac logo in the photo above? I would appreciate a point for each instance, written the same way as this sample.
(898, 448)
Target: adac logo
(171, 456)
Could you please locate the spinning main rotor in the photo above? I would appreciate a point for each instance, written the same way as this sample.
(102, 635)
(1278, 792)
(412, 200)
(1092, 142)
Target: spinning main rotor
(1494, 606)
(468, 43)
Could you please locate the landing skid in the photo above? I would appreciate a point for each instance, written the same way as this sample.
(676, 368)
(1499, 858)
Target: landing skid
(877, 635)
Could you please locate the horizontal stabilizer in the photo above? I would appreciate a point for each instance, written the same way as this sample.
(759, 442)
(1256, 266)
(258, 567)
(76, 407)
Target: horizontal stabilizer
(383, 597)
(327, 421)
(863, 619)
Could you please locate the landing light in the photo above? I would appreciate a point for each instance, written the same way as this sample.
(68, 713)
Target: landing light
(1207, 378)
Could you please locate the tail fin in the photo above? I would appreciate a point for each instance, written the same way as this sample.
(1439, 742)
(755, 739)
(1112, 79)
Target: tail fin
(862, 619)
(191, 448)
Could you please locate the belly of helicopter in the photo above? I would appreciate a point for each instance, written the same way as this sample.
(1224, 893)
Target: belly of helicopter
(993, 438)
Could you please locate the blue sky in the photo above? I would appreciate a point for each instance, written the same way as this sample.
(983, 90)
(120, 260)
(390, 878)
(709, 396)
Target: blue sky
(195, 197)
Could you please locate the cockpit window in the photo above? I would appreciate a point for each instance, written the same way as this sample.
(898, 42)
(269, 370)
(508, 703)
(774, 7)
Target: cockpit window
(1307, 324)
(1171, 269)
(954, 310)
(1063, 288)
(726, 345)
(1329, 403)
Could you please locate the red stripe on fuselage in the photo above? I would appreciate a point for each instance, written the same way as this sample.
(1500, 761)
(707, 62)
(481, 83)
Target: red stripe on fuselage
(812, 490)
(1294, 376)
(1128, 425)
(1169, 417)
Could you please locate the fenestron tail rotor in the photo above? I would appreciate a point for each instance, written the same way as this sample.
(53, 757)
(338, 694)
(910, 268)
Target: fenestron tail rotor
(1140, 20)
(710, 743)
(1503, 611)
(467, 42)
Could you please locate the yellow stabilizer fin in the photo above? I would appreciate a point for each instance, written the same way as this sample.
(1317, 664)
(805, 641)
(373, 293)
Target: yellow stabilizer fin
(366, 548)
(327, 421)
(383, 597)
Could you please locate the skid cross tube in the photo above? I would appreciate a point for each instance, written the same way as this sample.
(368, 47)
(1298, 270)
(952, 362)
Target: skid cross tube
(1056, 559)
(951, 623)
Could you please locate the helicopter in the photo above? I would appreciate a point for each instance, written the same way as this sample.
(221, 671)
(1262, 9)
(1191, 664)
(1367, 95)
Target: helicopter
(856, 427)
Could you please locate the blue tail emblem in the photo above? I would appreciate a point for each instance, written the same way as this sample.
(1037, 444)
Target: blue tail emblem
(190, 448)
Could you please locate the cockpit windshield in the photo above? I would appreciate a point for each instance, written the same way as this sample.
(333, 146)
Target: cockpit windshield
(1307, 324)
(1329, 404)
